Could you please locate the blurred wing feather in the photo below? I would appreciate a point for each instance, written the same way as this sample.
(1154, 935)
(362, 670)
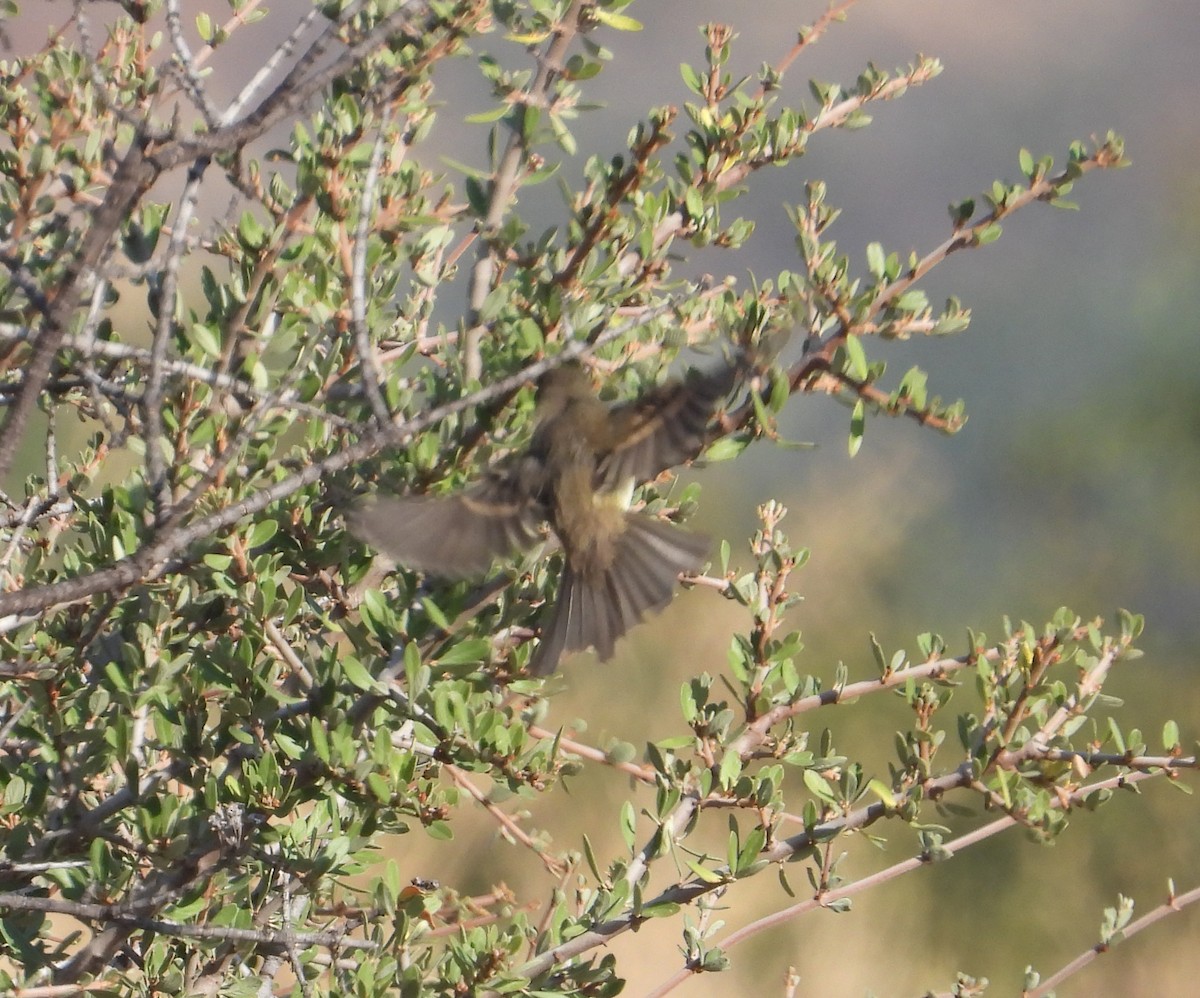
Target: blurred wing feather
(665, 427)
(452, 536)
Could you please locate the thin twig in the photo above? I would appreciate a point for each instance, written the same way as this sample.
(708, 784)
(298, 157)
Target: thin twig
(227, 382)
(372, 377)
(812, 34)
(1172, 906)
(643, 774)
(114, 914)
(949, 849)
(185, 64)
(133, 178)
(156, 468)
(288, 654)
(504, 185)
(64, 990)
(507, 824)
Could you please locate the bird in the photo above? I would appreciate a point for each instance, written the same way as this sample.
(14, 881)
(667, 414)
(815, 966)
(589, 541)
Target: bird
(577, 475)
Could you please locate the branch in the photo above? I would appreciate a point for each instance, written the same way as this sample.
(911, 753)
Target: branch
(947, 851)
(504, 186)
(275, 939)
(1174, 904)
(1044, 189)
(750, 740)
(89, 347)
(684, 893)
(152, 153)
(133, 178)
(507, 825)
(65, 990)
(811, 34)
(368, 362)
(156, 469)
(964, 776)
(643, 774)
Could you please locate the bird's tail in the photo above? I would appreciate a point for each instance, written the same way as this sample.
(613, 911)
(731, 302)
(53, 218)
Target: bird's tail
(594, 610)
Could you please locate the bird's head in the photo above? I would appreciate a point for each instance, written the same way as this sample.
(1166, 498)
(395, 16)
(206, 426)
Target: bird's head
(564, 383)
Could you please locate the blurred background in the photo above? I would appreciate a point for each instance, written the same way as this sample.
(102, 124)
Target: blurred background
(1075, 481)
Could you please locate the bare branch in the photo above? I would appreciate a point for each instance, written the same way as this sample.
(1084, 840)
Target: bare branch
(156, 470)
(508, 826)
(504, 186)
(133, 178)
(371, 375)
(1172, 906)
(272, 939)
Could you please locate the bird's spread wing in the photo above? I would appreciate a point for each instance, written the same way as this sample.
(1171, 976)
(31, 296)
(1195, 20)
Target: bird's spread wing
(453, 536)
(665, 427)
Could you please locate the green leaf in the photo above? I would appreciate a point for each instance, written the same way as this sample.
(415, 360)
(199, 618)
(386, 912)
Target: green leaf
(470, 171)
(380, 788)
(356, 674)
(590, 855)
(988, 234)
(621, 752)
(206, 339)
(472, 651)
(318, 740)
(724, 449)
(858, 424)
(856, 359)
(731, 769)
(747, 859)
(528, 37)
(1170, 736)
(818, 786)
(1025, 157)
(618, 22)
(435, 614)
(579, 68)
(876, 260)
(880, 655)
(16, 792)
(913, 300)
(628, 825)
(484, 117)
(961, 212)
(251, 231)
(692, 79)
(702, 872)
(262, 532)
(882, 791)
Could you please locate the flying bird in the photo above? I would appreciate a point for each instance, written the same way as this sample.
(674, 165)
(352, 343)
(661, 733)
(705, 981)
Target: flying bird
(577, 475)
